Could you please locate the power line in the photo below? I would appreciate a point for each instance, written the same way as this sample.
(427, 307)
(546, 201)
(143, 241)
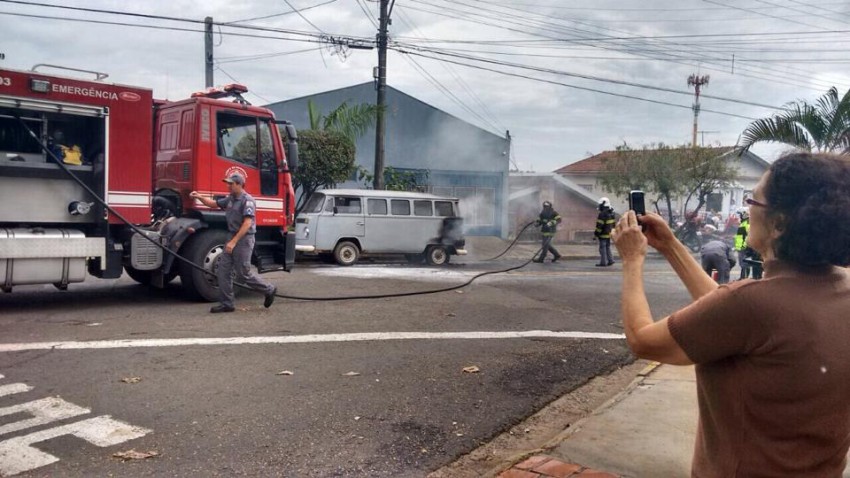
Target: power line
(250, 91)
(804, 12)
(760, 13)
(174, 19)
(777, 78)
(490, 117)
(263, 56)
(153, 27)
(673, 58)
(265, 17)
(623, 9)
(298, 12)
(593, 90)
(591, 77)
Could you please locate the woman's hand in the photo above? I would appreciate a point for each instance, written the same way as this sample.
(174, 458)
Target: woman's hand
(629, 239)
(657, 232)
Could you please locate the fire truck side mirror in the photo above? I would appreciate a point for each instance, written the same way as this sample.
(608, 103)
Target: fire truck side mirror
(291, 147)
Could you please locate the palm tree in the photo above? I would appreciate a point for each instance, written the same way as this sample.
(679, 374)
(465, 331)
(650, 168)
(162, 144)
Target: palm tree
(351, 121)
(823, 126)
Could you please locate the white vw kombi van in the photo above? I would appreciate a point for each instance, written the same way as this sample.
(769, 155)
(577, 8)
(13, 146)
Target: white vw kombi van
(347, 223)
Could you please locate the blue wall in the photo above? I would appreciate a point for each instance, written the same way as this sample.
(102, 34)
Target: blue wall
(463, 160)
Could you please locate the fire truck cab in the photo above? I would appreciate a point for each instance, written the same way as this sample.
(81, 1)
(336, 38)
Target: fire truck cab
(144, 157)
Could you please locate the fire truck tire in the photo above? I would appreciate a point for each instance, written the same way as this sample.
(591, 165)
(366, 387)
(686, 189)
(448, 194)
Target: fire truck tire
(346, 253)
(437, 256)
(203, 248)
(144, 277)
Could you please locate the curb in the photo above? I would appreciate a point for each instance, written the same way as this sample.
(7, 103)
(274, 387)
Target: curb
(575, 427)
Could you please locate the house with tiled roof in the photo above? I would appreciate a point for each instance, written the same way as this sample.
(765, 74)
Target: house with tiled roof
(587, 174)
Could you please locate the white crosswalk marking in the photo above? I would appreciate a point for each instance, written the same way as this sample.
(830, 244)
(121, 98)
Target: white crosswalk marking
(17, 454)
(13, 388)
(44, 411)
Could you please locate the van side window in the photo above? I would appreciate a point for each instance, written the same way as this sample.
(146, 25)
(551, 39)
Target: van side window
(423, 208)
(348, 205)
(400, 207)
(378, 207)
(444, 208)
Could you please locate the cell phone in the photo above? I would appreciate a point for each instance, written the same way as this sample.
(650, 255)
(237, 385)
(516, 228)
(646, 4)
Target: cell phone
(636, 202)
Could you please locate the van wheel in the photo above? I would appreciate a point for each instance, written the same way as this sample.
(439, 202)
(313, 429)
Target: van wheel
(346, 253)
(437, 256)
(203, 249)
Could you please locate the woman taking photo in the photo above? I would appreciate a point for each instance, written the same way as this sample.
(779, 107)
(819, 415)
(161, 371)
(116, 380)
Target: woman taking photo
(772, 356)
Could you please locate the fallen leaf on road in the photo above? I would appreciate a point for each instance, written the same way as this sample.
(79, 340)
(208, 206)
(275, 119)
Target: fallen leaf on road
(459, 291)
(94, 324)
(459, 434)
(356, 419)
(451, 314)
(131, 379)
(471, 369)
(285, 372)
(135, 455)
(351, 374)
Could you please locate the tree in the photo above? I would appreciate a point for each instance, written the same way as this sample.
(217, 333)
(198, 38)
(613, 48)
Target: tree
(669, 172)
(351, 121)
(705, 171)
(822, 126)
(654, 169)
(326, 158)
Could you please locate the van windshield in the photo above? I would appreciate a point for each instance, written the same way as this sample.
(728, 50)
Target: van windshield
(314, 204)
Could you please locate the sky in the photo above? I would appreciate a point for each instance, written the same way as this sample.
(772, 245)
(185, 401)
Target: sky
(759, 54)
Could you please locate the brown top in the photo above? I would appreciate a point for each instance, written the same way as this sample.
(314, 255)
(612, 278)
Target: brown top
(773, 373)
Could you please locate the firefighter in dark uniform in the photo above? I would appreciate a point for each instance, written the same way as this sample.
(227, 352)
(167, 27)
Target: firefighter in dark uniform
(239, 211)
(548, 222)
(605, 223)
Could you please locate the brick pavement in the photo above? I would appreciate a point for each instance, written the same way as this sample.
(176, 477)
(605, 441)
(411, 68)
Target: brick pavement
(542, 466)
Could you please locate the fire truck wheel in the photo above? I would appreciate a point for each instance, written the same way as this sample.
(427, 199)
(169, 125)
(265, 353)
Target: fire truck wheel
(203, 248)
(437, 256)
(346, 253)
(144, 277)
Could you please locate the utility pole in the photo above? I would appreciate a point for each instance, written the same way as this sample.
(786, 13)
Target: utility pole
(381, 77)
(697, 82)
(702, 133)
(208, 50)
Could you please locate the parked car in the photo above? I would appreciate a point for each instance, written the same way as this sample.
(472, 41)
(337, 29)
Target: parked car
(348, 223)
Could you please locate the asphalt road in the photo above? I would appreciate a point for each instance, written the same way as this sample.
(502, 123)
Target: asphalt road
(223, 410)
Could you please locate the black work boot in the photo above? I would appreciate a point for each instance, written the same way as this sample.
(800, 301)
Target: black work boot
(556, 258)
(221, 308)
(270, 298)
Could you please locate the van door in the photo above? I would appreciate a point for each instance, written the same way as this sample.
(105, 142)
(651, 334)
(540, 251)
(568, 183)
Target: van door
(346, 219)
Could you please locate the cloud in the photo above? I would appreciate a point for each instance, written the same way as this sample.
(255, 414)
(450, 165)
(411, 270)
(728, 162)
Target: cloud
(551, 125)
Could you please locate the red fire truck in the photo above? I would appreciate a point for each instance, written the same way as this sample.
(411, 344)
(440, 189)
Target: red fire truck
(144, 157)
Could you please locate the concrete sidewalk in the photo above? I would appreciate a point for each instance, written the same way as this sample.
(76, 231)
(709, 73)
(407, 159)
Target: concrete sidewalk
(648, 430)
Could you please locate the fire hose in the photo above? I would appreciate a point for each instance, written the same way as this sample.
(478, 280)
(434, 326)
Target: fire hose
(198, 267)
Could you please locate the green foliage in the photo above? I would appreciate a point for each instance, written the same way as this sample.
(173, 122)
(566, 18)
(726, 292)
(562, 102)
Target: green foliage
(351, 121)
(822, 126)
(326, 158)
(395, 180)
(654, 169)
(668, 172)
